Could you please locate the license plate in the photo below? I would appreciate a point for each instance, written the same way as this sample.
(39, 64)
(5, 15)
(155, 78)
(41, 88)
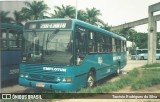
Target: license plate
(40, 85)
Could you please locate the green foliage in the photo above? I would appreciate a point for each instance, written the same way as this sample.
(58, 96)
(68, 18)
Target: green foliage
(151, 65)
(124, 81)
(158, 40)
(34, 10)
(149, 78)
(64, 12)
(92, 15)
(18, 17)
(141, 40)
(88, 15)
(4, 17)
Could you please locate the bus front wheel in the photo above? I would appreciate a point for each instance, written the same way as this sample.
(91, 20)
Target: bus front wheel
(90, 79)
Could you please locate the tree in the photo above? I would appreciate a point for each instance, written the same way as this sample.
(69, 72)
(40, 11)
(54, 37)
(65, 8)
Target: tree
(4, 17)
(158, 40)
(82, 15)
(128, 33)
(92, 16)
(64, 12)
(105, 26)
(141, 40)
(89, 15)
(18, 17)
(34, 10)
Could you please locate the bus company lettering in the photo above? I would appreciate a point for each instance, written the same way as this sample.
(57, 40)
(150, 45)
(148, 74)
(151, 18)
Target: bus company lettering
(54, 69)
(53, 25)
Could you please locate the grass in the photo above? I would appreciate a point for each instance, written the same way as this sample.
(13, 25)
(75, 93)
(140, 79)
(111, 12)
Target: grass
(147, 78)
(124, 81)
(151, 65)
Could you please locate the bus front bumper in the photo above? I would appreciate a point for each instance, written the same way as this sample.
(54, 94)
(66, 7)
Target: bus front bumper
(45, 85)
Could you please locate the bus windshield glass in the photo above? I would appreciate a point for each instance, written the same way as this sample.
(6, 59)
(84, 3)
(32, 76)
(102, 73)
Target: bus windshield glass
(142, 51)
(48, 47)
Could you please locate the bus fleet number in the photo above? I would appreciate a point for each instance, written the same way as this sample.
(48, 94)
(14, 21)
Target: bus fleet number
(14, 71)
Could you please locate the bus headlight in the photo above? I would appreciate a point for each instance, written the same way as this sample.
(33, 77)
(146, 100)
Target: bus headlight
(21, 75)
(58, 79)
(26, 76)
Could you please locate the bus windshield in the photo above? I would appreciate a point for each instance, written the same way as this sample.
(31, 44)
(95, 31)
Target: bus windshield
(140, 51)
(48, 47)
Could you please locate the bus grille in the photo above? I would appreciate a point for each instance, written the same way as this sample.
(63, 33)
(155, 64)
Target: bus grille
(39, 70)
(41, 77)
(37, 73)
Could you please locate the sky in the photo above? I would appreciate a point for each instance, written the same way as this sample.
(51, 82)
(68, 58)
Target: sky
(114, 12)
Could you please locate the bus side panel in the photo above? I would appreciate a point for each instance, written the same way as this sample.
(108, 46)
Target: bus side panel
(10, 57)
(81, 71)
(102, 63)
(119, 58)
(106, 68)
(10, 64)
(123, 60)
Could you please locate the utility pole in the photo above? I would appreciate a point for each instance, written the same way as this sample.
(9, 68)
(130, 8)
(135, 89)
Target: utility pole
(152, 29)
(76, 9)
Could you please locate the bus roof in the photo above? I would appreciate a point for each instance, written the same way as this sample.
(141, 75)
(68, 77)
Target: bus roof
(10, 26)
(87, 25)
(84, 24)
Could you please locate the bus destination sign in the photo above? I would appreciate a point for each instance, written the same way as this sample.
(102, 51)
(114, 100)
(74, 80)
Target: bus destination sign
(51, 24)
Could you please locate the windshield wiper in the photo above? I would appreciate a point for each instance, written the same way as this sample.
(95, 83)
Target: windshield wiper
(49, 38)
(53, 35)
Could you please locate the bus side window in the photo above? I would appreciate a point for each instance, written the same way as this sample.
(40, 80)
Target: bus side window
(91, 42)
(113, 45)
(19, 42)
(104, 44)
(118, 45)
(108, 44)
(13, 39)
(99, 42)
(125, 46)
(3, 38)
(122, 46)
(81, 49)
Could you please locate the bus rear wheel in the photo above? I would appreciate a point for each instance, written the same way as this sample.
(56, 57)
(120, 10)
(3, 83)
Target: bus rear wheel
(90, 79)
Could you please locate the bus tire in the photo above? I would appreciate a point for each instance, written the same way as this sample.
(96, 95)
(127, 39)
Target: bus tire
(90, 79)
(118, 69)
